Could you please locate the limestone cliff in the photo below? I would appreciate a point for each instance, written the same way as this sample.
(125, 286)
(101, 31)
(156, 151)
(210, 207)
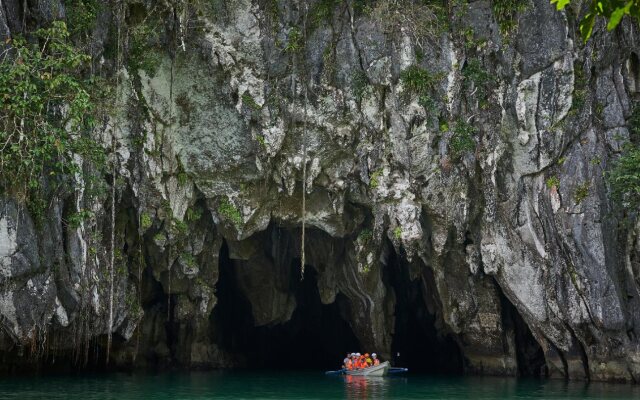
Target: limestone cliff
(455, 168)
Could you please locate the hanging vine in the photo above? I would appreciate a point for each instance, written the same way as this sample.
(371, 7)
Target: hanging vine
(304, 152)
(119, 16)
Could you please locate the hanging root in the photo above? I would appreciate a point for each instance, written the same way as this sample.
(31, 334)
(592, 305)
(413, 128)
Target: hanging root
(304, 153)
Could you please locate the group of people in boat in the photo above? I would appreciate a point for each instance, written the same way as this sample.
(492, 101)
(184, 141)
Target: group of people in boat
(359, 361)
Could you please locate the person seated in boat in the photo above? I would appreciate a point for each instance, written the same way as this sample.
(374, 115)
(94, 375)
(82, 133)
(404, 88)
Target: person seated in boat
(363, 361)
(367, 360)
(346, 363)
(376, 360)
(357, 364)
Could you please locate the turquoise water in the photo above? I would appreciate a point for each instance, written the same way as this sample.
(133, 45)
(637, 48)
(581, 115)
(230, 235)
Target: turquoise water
(295, 385)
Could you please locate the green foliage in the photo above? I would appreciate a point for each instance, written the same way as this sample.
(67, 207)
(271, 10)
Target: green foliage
(249, 101)
(359, 81)
(397, 233)
(417, 80)
(295, 41)
(75, 219)
(81, 15)
(179, 227)
(624, 178)
(143, 40)
(374, 179)
(47, 114)
(365, 235)
(634, 121)
(553, 182)
(506, 12)
(322, 11)
(193, 214)
(262, 141)
(365, 269)
(230, 212)
(612, 10)
(476, 77)
(420, 82)
(462, 139)
(189, 260)
(145, 221)
(579, 89)
(181, 175)
(582, 191)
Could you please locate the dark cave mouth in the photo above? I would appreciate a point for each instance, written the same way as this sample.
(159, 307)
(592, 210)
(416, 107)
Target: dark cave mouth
(318, 336)
(315, 337)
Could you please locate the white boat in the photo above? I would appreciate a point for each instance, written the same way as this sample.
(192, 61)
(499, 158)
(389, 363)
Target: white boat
(376, 370)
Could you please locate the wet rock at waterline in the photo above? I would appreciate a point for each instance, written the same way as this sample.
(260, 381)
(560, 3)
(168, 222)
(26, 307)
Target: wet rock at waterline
(442, 217)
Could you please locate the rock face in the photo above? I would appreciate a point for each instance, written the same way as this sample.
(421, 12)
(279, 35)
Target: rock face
(454, 178)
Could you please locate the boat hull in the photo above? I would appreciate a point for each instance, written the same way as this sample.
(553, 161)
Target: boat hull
(376, 370)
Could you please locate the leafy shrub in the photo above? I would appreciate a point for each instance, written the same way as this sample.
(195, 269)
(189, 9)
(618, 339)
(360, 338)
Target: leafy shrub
(373, 180)
(365, 235)
(476, 75)
(417, 80)
(581, 193)
(506, 12)
(230, 212)
(47, 113)
(145, 221)
(553, 182)
(462, 139)
(625, 178)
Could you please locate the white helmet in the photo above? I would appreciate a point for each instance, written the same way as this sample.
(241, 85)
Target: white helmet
(357, 354)
(373, 355)
(353, 354)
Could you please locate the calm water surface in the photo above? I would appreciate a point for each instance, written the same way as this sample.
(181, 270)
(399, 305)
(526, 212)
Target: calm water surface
(296, 385)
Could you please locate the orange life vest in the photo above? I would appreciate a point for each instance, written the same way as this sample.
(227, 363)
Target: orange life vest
(349, 365)
(376, 362)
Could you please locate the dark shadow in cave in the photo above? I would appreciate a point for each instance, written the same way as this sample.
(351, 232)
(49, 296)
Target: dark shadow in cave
(420, 343)
(529, 353)
(316, 336)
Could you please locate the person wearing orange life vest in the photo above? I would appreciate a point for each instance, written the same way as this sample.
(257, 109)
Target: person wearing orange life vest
(367, 360)
(356, 361)
(376, 361)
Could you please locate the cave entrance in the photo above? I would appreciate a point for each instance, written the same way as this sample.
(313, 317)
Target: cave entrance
(316, 336)
(419, 343)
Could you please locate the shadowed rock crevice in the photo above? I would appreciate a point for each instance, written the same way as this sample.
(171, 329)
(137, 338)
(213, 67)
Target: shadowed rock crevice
(529, 353)
(420, 341)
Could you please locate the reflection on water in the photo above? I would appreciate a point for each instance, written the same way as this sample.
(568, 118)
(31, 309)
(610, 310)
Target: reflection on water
(299, 385)
(361, 387)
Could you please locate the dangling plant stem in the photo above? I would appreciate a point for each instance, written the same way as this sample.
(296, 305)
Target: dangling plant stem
(140, 261)
(113, 193)
(113, 253)
(304, 154)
